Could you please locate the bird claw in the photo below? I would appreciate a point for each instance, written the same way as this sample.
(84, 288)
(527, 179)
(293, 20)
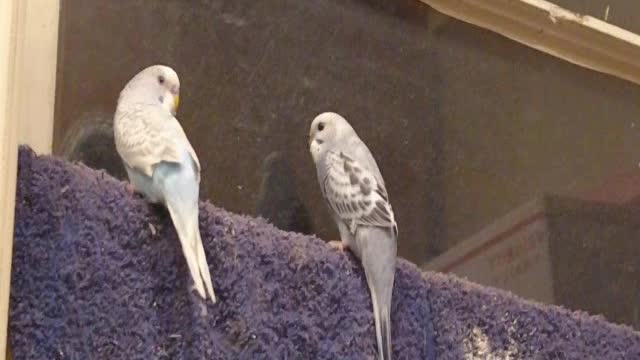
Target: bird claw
(337, 244)
(128, 187)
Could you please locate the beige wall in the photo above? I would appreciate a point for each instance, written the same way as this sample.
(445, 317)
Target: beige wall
(37, 53)
(8, 154)
(35, 70)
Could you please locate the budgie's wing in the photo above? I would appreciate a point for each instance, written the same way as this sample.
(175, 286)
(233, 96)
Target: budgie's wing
(355, 194)
(152, 135)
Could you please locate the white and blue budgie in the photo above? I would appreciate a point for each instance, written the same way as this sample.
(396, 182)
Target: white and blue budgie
(160, 161)
(357, 198)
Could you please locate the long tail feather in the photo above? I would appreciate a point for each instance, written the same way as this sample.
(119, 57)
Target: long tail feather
(204, 269)
(180, 188)
(381, 315)
(188, 241)
(376, 248)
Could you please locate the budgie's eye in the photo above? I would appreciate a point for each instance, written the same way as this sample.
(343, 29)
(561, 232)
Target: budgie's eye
(320, 126)
(161, 79)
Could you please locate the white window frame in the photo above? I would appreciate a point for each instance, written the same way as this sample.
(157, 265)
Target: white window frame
(28, 56)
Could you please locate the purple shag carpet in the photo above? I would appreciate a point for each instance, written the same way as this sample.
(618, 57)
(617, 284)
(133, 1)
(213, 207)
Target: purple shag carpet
(98, 274)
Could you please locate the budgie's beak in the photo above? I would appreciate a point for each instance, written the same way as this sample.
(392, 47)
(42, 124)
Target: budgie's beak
(176, 102)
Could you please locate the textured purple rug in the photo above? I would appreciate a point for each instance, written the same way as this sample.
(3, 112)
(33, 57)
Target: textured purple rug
(98, 274)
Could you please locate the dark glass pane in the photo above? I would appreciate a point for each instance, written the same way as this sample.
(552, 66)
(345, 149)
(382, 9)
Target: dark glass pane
(466, 125)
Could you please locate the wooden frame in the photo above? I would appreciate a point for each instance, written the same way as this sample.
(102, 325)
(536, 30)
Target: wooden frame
(28, 55)
(8, 152)
(579, 39)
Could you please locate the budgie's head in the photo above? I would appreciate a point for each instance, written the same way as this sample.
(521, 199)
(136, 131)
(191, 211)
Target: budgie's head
(327, 131)
(155, 84)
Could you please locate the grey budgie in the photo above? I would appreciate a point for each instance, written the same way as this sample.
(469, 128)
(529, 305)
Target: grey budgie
(357, 198)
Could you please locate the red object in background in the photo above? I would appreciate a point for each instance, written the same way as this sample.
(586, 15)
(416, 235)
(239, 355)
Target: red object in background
(620, 189)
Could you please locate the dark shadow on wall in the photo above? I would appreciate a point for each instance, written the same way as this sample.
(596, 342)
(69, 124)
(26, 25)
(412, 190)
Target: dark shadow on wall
(90, 141)
(278, 201)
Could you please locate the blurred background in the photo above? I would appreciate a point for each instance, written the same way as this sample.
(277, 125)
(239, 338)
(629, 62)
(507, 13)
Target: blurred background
(503, 164)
